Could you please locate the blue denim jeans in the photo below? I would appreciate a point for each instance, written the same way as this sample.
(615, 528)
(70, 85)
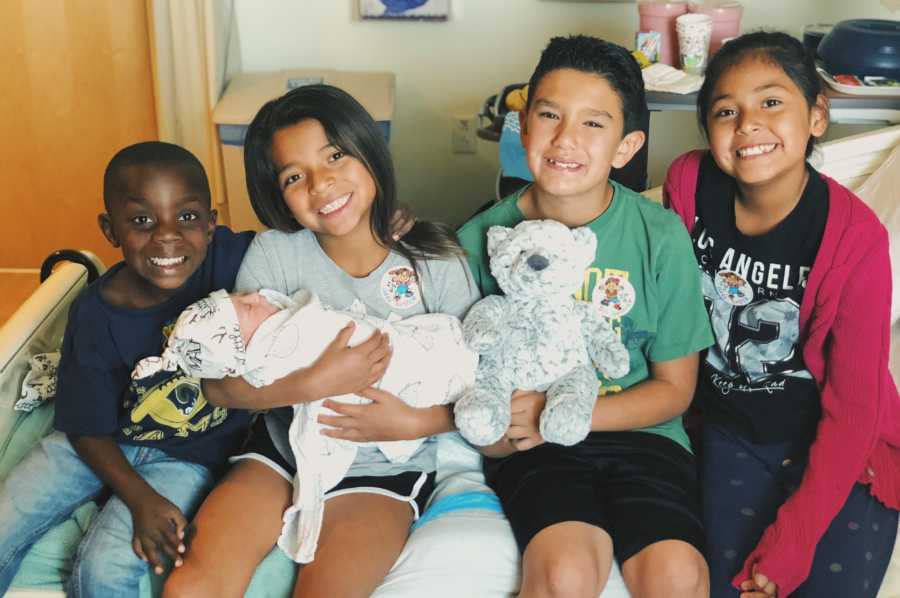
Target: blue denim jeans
(52, 481)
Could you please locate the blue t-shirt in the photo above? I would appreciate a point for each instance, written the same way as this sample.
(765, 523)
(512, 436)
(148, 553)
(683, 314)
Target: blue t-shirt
(102, 344)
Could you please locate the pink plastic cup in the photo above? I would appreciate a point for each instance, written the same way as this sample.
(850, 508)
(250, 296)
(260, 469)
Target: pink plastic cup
(726, 17)
(659, 15)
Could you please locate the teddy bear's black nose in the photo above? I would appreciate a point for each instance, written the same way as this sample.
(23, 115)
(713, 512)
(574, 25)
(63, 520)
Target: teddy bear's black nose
(537, 262)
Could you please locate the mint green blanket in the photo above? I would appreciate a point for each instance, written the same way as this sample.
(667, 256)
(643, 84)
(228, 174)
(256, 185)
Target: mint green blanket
(49, 562)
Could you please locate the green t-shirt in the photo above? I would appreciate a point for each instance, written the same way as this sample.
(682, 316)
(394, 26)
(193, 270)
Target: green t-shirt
(644, 279)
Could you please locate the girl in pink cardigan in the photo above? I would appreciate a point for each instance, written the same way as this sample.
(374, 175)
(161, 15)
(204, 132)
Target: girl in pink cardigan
(801, 436)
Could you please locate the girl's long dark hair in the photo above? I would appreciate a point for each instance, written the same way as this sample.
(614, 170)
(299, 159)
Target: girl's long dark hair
(351, 129)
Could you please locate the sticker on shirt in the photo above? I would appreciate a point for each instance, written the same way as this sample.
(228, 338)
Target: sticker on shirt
(400, 288)
(613, 296)
(732, 287)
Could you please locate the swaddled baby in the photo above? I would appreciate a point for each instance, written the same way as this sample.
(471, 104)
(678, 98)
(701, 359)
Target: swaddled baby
(264, 336)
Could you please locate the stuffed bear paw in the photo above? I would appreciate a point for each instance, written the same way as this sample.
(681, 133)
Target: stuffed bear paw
(566, 418)
(484, 326)
(482, 418)
(567, 421)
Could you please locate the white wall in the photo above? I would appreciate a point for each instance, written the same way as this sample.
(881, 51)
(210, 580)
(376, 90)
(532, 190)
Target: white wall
(450, 68)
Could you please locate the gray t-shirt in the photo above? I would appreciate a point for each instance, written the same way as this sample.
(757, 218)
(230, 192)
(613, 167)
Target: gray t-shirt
(290, 262)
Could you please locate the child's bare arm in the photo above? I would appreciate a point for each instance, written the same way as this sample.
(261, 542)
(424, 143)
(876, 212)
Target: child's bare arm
(667, 393)
(387, 417)
(339, 370)
(158, 524)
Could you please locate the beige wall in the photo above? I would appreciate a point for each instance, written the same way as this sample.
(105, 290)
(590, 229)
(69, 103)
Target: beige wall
(450, 68)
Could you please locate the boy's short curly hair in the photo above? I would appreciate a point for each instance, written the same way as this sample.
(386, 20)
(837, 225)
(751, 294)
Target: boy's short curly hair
(153, 153)
(610, 61)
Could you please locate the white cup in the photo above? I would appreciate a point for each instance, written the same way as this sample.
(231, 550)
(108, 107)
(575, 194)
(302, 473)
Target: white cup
(694, 32)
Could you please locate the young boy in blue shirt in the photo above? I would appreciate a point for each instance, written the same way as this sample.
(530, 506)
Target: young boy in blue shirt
(629, 489)
(158, 445)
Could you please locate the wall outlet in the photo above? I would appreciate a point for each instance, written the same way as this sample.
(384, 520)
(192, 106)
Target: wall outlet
(462, 134)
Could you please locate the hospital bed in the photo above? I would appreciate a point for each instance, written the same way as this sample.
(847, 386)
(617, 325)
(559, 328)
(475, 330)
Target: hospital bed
(461, 547)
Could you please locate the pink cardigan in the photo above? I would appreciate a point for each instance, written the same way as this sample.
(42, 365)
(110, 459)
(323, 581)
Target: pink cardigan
(845, 332)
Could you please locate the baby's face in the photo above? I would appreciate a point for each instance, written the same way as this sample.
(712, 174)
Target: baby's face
(252, 309)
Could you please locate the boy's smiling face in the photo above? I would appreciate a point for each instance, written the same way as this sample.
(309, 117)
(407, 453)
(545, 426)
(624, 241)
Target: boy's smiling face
(572, 135)
(163, 223)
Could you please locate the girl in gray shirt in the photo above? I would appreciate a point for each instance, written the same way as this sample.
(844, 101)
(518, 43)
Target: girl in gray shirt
(320, 176)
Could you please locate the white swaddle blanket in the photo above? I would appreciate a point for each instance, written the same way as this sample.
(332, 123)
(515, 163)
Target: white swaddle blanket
(430, 365)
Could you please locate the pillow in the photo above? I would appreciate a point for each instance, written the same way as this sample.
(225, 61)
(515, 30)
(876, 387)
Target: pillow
(881, 192)
(26, 428)
(455, 455)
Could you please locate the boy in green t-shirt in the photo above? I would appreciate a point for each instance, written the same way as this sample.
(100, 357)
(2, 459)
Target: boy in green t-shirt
(630, 488)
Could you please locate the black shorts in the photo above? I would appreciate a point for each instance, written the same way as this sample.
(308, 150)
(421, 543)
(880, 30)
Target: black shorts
(413, 487)
(639, 487)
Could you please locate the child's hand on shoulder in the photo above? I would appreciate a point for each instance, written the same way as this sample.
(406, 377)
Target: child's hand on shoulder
(342, 369)
(159, 528)
(402, 221)
(525, 414)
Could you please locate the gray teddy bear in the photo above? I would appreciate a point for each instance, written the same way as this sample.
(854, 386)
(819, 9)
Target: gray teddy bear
(537, 336)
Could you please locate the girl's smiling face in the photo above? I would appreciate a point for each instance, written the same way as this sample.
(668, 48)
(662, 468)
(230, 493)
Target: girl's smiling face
(759, 123)
(328, 191)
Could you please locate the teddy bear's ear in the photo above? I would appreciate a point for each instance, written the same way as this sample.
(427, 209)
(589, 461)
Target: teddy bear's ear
(496, 235)
(587, 241)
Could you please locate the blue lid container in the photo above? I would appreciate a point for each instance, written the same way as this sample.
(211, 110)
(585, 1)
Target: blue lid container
(863, 47)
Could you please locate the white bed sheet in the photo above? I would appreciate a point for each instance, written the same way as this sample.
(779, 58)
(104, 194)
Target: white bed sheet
(466, 552)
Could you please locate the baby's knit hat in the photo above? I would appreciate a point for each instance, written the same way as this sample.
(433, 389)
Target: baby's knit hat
(205, 342)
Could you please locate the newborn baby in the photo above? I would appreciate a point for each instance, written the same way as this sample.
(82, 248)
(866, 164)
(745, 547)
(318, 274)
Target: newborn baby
(265, 335)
